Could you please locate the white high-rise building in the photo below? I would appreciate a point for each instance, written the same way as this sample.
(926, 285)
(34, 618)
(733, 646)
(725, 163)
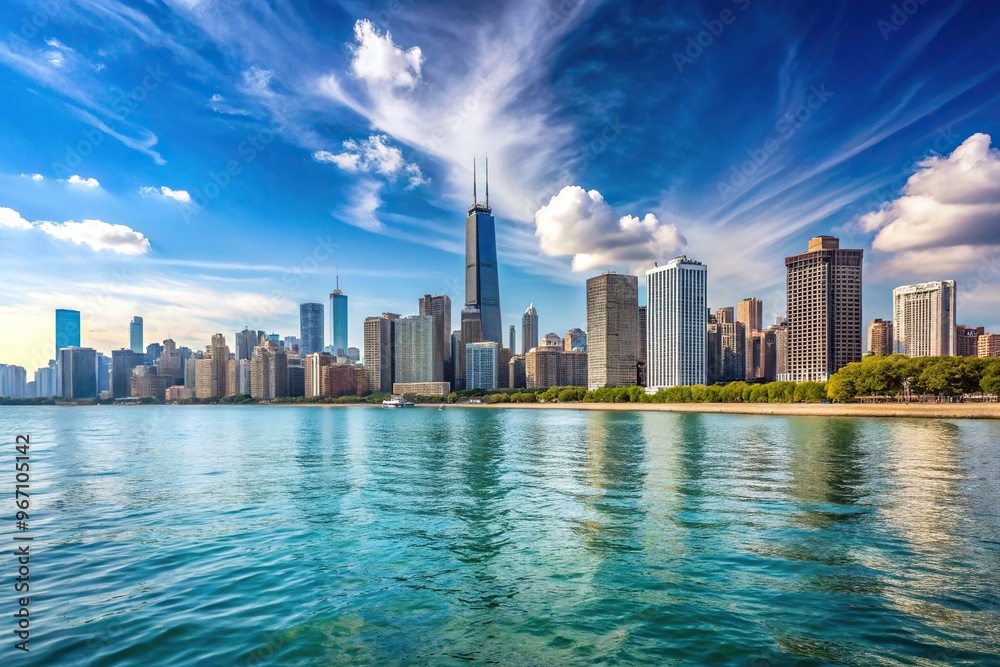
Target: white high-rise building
(676, 294)
(924, 319)
(481, 360)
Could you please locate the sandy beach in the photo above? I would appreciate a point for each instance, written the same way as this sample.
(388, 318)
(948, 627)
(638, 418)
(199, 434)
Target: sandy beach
(928, 410)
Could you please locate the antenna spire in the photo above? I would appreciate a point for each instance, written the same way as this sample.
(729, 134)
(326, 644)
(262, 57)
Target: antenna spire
(338, 277)
(474, 198)
(487, 181)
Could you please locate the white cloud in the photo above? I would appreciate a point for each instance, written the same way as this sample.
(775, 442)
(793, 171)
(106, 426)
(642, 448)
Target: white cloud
(98, 235)
(34, 177)
(218, 104)
(257, 80)
(89, 183)
(181, 196)
(95, 234)
(580, 223)
(378, 60)
(365, 202)
(12, 219)
(373, 155)
(951, 201)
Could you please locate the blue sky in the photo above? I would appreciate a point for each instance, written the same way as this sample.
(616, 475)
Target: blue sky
(211, 164)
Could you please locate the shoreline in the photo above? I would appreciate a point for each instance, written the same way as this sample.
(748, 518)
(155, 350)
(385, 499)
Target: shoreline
(921, 410)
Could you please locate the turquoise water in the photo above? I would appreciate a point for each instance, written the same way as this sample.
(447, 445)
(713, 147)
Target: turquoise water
(317, 536)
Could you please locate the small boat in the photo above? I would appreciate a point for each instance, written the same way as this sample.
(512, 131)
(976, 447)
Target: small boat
(397, 401)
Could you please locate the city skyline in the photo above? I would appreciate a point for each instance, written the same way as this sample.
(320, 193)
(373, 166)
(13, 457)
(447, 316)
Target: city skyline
(114, 210)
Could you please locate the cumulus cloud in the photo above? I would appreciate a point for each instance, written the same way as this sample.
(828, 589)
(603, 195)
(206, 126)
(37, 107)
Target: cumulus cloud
(95, 234)
(34, 177)
(950, 201)
(181, 196)
(580, 223)
(378, 60)
(374, 155)
(12, 219)
(89, 183)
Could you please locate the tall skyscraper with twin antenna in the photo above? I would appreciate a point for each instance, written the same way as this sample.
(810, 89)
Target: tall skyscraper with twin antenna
(338, 320)
(482, 286)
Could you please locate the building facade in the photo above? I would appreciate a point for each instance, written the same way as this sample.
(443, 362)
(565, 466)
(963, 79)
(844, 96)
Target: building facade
(481, 365)
(78, 371)
(415, 350)
(967, 340)
(135, 335)
(379, 351)
(338, 321)
(989, 345)
(612, 330)
(677, 295)
(924, 319)
(311, 334)
(880, 337)
(439, 307)
(824, 310)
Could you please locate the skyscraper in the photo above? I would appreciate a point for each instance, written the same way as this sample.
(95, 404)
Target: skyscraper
(676, 293)
(575, 339)
(924, 319)
(880, 337)
(732, 351)
(135, 335)
(612, 329)
(338, 320)
(824, 310)
(78, 367)
(246, 341)
(67, 328)
(511, 344)
(169, 364)
(750, 312)
(482, 286)
(212, 371)
(439, 307)
(379, 351)
(310, 328)
(122, 363)
(643, 354)
(529, 328)
(415, 344)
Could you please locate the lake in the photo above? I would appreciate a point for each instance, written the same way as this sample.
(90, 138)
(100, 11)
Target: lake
(251, 535)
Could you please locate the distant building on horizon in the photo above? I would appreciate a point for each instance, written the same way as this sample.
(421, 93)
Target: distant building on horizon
(924, 319)
(612, 329)
(311, 328)
(511, 340)
(122, 363)
(676, 297)
(246, 341)
(135, 335)
(67, 328)
(482, 285)
(212, 379)
(338, 321)
(880, 337)
(824, 310)
(575, 339)
(529, 328)
(550, 366)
